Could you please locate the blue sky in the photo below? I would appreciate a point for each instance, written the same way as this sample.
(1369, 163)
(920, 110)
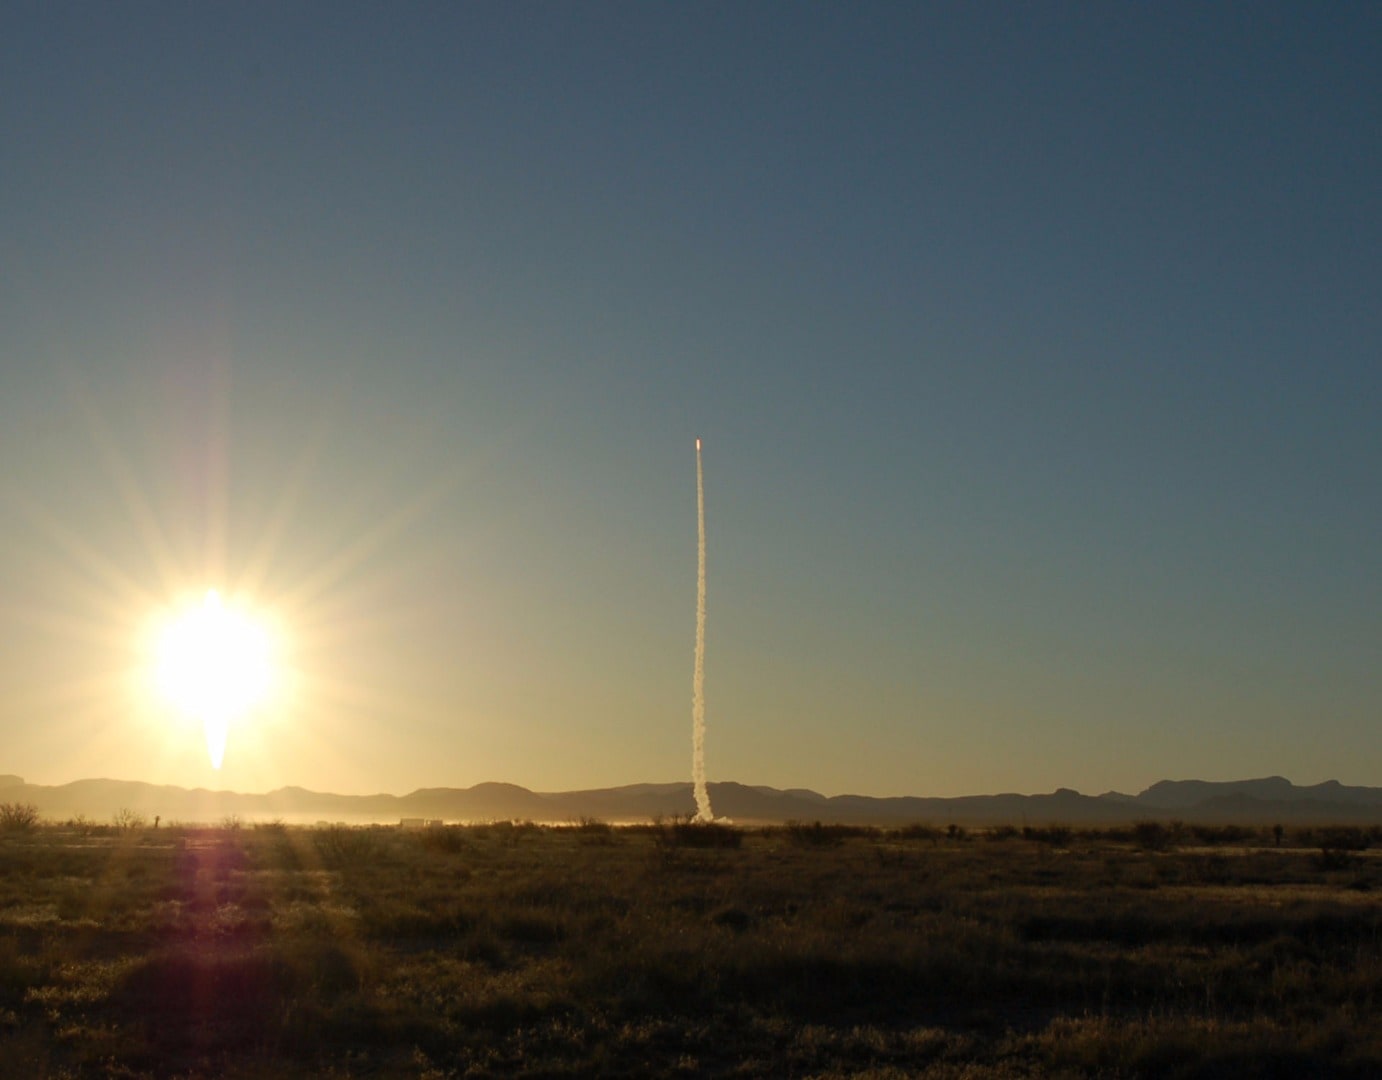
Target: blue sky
(1035, 350)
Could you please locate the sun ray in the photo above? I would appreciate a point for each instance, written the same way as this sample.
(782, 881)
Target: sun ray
(137, 505)
(369, 542)
(101, 569)
(104, 593)
(285, 506)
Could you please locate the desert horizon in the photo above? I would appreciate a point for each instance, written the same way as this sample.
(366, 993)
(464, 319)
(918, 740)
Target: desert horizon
(1267, 800)
(917, 436)
(682, 946)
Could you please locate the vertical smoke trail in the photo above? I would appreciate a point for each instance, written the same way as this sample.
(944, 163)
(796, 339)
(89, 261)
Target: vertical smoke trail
(698, 681)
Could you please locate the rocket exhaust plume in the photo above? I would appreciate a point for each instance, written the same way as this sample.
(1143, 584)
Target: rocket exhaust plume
(703, 812)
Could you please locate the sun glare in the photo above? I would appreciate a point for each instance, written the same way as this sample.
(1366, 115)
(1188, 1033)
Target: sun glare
(213, 663)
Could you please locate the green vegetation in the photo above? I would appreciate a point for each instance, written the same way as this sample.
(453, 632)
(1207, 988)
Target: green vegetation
(679, 948)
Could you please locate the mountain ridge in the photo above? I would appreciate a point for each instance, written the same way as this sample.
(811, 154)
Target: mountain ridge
(1265, 800)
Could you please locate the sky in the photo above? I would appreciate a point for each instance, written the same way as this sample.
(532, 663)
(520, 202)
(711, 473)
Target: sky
(1035, 350)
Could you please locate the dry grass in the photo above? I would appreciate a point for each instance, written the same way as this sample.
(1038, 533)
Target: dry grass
(663, 950)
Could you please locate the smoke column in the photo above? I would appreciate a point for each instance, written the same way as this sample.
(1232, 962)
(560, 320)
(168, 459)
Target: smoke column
(698, 681)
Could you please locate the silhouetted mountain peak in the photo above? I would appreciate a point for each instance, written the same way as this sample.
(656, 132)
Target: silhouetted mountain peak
(1171, 794)
(496, 786)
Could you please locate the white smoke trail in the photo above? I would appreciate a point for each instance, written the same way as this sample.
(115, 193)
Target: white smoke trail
(703, 812)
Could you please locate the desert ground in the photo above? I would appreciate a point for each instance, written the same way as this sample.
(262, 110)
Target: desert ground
(677, 949)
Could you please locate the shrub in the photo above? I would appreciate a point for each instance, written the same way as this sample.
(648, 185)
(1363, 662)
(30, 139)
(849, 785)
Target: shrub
(594, 831)
(1221, 834)
(507, 833)
(689, 833)
(81, 824)
(18, 817)
(1151, 836)
(916, 832)
(1333, 859)
(449, 839)
(1338, 845)
(815, 834)
(340, 845)
(1344, 838)
(127, 819)
(1054, 835)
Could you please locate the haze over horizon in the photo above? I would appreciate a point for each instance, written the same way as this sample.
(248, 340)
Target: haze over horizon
(1034, 351)
(1151, 786)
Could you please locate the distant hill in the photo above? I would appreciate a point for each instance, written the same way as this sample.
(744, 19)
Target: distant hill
(1271, 800)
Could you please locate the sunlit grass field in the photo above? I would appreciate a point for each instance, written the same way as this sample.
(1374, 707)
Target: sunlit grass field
(681, 950)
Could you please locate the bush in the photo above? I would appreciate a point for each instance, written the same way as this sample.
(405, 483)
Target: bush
(815, 834)
(1151, 835)
(917, 831)
(688, 833)
(18, 817)
(449, 839)
(1054, 835)
(127, 819)
(340, 845)
(1338, 846)
(507, 833)
(1222, 834)
(1343, 838)
(594, 831)
(1334, 859)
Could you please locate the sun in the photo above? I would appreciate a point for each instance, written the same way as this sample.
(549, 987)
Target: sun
(213, 662)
